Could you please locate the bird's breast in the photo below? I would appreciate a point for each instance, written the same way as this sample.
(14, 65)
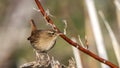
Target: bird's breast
(44, 45)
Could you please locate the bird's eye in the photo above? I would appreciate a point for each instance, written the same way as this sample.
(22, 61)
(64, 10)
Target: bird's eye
(51, 33)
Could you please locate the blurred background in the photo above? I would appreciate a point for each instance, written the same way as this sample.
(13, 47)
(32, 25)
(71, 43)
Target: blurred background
(15, 16)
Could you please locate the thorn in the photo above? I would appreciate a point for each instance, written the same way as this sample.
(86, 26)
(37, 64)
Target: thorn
(80, 41)
(77, 46)
(48, 13)
(65, 22)
(104, 61)
(86, 42)
(33, 26)
(36, 9)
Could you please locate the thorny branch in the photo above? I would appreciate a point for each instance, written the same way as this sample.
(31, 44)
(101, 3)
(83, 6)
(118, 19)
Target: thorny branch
(70, 41)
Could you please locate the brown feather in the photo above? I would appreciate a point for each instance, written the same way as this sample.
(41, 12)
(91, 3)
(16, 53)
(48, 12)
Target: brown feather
(33, 26)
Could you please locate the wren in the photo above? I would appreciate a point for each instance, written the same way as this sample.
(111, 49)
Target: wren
(42, 40)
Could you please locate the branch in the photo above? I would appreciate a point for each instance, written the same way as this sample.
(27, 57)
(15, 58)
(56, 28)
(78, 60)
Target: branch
(72, 42)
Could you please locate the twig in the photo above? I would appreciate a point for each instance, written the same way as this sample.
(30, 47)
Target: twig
(71, 42)
(72, 63)
(81, 41)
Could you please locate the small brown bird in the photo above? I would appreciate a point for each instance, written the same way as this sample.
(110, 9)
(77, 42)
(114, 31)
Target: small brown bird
(42, 40)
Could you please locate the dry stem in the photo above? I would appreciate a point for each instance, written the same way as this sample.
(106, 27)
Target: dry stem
(52, 63)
